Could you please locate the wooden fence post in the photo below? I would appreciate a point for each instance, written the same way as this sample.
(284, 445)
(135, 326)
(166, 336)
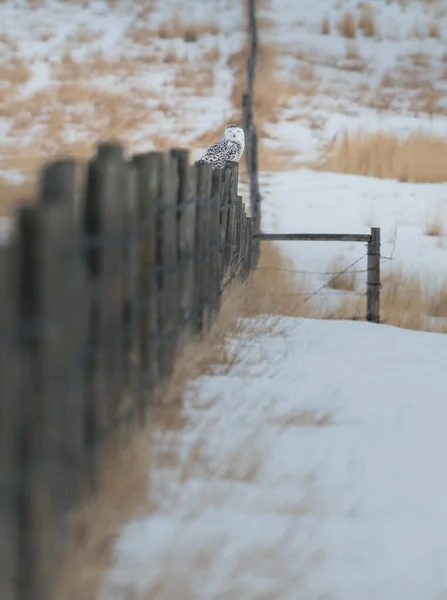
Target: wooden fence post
(167, 259)
(186, 224)
(130, 404)
(103, 222)
(217, 191)
(148, 193)
(373, 277)
(231, 200)
(52, 343)
(9, 424)
(66, 298)
(203, 191)
(239, 207)
(248, 253)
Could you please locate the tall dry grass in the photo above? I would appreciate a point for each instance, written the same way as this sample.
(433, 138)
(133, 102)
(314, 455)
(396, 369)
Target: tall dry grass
(367, 23)
(325, 26)
(420, 157)
(407, 301)
(435, 221)
(347, 25)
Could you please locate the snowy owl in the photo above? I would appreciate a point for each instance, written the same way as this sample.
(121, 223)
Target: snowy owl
(230, 147)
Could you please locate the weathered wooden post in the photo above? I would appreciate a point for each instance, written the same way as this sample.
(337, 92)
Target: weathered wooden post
(373, 277)
(103, 226)
(148, 193)
(186, 225)
(9, 424)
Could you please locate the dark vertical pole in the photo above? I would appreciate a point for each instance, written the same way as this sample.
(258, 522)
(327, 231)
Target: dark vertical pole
(186, 240)
(167, 236)
(148, 192)
(103, 222)
(203, 190)
(373, 277)
(9, 424)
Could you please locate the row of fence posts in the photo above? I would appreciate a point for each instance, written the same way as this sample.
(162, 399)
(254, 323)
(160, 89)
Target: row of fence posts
(99, 293)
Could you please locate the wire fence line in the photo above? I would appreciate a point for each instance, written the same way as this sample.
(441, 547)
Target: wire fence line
(373, 283)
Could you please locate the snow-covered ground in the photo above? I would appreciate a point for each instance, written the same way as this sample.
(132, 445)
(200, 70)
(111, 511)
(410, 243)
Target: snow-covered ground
(334, 93)
(313, 470)
(151, 74)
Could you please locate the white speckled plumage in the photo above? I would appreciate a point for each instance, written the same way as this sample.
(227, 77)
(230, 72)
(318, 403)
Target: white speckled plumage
(230, 147)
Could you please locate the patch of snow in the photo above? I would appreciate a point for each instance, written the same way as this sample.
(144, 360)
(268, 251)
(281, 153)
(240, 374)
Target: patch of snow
(320, 474)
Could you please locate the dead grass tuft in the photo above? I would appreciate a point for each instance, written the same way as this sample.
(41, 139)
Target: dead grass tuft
(420, 157)
(367, 22)
(347, 25)
(437, 305)
(325, 26)
(14, 71)
(420, 59)
(345, 281)
(435, 221)
(141, 35)
(434, 31)
(403, 301)
(387, 80)
(189, 32)
(273, 288)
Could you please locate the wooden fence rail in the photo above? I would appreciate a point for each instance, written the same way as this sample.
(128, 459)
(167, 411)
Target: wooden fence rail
(97, 297)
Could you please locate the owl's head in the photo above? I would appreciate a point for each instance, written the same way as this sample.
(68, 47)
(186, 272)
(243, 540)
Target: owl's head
(234, 133)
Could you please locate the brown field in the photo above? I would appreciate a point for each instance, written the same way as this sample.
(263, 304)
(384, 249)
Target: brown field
(75, 110)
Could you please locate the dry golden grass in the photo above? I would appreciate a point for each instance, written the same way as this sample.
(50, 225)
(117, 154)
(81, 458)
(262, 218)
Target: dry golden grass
(14, 71)
(429, 100)
(141, 35)
(406, 301)
(387, 80)
(434, 31)
(435, 221)
(409, 302)
(420, 59)
(420, 157)
(60, 110)
(212, 55)
(345, 281)
(199, 78)
(325, 26)
(436, 304)
(367, 22)
(347, 25)
(189, 32)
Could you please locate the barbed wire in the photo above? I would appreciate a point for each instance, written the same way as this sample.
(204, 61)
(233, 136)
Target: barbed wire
(334, 275)
(391, 256)
(334, 278)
